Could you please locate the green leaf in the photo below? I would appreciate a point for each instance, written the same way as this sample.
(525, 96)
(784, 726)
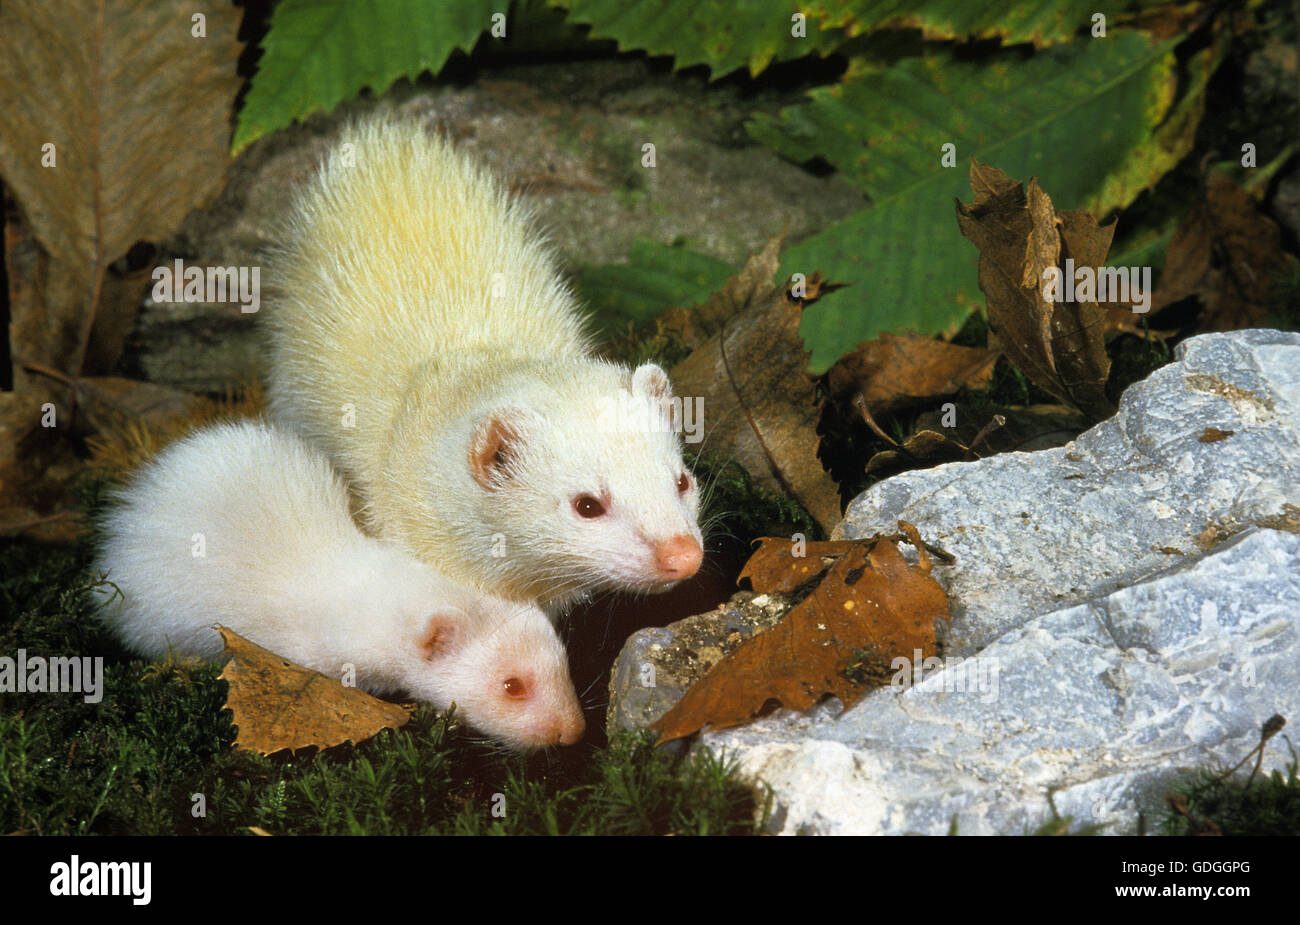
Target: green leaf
(1042, 22)
(724, 34)
(1085, 118)
(656, 277)
(728, 34)
(318, 53)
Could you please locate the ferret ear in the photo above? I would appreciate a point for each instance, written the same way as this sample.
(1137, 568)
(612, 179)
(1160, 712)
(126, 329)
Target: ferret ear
(650, 381)
(497, 439)
(439, 636)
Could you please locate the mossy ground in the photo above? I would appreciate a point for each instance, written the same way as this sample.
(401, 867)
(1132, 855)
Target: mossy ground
(134, 762)
(1213, 802)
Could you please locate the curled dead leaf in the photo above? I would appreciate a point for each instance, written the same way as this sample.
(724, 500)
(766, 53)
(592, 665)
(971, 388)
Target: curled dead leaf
(870, 600)
(1056, 340)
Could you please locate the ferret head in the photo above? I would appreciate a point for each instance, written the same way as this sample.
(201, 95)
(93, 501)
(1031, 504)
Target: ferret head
(590, 462)
(504, 667)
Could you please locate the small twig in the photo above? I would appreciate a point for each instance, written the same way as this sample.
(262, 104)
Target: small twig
(997, 421)
(946, 558)
(860, 402)
(1272, 726)
(49, 371)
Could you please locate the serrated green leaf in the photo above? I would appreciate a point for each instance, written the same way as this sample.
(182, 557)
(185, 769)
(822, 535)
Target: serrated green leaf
(724, 34)
(1041, 22)
(728, 34)
(656, 277)
(1083, 118)
(318, 53)
(1091, 103)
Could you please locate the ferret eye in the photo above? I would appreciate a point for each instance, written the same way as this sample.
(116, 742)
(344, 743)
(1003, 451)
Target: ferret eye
(588, 507)
(683, 483)
(515, 687)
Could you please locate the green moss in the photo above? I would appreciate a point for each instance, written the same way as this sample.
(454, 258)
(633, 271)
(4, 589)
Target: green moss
(631, 788)
(1241, 804)
(137, 761)
(734, 506)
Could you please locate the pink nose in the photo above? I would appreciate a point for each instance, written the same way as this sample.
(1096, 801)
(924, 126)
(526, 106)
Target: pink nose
(571, 730)
(678, 557)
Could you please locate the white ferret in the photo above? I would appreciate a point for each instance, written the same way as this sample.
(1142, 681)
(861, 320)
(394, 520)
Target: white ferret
(247, 526)
(421, 335)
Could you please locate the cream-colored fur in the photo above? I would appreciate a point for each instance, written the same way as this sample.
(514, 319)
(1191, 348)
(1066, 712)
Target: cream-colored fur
(414, 305)
(247, 526)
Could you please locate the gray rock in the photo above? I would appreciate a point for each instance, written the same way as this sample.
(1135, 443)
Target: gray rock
(1128, 607)
(658, 664)
(1105, 704)
(1035, 532)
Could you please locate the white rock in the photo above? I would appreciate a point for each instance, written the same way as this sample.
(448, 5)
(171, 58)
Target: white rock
(1142, 621)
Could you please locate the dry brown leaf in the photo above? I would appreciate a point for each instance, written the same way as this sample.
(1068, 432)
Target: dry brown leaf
(999, 224)
(895, 370)
(1079, 328)
(49, 304)
(120, 295)
(693, 326)
(279, 705)
(1060, 346)
(780, 566)
(1227, 253)
(761, 409)
(870, 599)
(135, 111)
(39, 467)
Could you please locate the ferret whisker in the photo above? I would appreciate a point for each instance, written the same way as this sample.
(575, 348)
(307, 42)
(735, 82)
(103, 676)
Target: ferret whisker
(587, 690)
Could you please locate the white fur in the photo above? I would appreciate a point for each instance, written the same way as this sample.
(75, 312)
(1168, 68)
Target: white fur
(283, 565)
(414, 292)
